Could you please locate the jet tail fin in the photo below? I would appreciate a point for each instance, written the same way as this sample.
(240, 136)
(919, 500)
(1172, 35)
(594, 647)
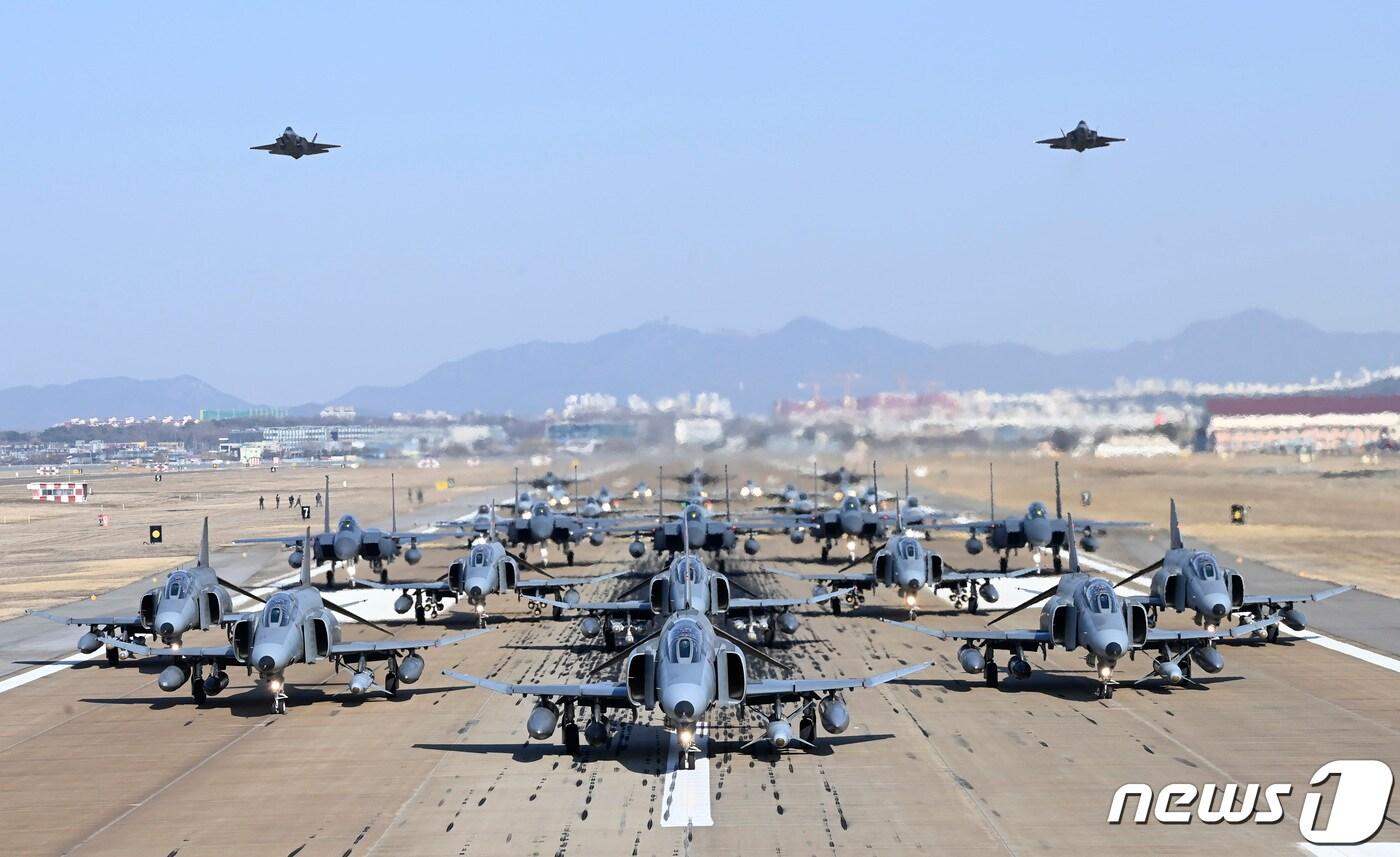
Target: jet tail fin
(204, 545)
(1059, 503)
(327, 508)
(308, 558)
(1073, 548)
(1176, 542)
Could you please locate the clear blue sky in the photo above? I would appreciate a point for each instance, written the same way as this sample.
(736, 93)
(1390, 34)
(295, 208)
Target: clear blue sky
(570, 169)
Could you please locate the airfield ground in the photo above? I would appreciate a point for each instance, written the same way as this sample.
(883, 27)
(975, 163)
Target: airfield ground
(95, 760)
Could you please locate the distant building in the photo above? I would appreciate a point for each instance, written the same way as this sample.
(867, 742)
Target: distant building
(598, 431)
(338, 412)
(217, 414)
(1302, 423)
(59, 492)
(1136, 446)
(699, 431)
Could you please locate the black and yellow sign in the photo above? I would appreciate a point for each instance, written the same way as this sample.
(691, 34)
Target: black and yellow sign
(157, 533)
(1237, 513)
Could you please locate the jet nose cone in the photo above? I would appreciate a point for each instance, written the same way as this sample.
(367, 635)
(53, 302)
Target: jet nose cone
(167, 629)
(266, 664)
(1219, 609)
(344, 547)
(1038, 532)
(474, 592)
(684, 710)
(1113, 650)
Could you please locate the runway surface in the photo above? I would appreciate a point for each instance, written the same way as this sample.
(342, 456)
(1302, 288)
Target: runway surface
(99, 761)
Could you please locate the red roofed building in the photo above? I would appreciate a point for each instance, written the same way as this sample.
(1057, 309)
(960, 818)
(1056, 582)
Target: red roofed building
(1312, 422)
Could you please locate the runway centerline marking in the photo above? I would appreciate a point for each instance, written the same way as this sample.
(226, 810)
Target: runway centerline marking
(686, 794)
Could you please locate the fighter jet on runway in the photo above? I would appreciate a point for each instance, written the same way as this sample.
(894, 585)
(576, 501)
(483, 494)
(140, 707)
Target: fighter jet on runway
(1194, 580)
(905, 564)
(689, 583)
(686, 670)
(294, 145)
(295, 626)
(488, 570)
(1080, 138)
(1034, 530)
(350, 542)
(191, 599)
(1083, 611)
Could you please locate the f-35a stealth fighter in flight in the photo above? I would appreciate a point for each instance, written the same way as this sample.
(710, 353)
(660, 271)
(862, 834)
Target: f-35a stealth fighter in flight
(1081, 137)
(293, 145)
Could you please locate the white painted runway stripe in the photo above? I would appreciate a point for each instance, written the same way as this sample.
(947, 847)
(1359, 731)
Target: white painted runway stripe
(686, 794)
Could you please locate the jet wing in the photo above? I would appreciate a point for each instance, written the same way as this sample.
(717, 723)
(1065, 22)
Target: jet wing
(1051, 141)
(289, 541)
(773, 603)
(606, 690)
(408, 586)
(220, 653)
(417, 537)
(1271, 600)
(1013, 635)
(270, 147)
(116, 621)
(953, 576)
(1157, 635)
(773, 689)
(971, 526)
(320, 148)
(831, 577)
(359, 647)
(559, 582)
(594, 606)
(1106, 140)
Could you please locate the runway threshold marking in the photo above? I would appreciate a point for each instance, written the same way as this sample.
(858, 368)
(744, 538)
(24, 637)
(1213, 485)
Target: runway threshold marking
(686, 794)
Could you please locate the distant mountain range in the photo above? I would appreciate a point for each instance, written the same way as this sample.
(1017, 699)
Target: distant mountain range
(754, 370)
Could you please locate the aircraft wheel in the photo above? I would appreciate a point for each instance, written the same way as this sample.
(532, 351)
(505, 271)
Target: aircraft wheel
(609, 638)
(990, 674)
(197, 690)
(972, 602)
(826, 552)
(1186, 667)
(558, 612)
(771, 634)
(114, 655)
(383, 575)
(569, 557)
(330, 579)
(279, 705)
(807, 730)
(1005, 563)
(1272, 633)
(391, 683)
(687, 761)
(571, 745)
(419, 613)
(1152, 620)
(836, 606)
(1059, 563)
